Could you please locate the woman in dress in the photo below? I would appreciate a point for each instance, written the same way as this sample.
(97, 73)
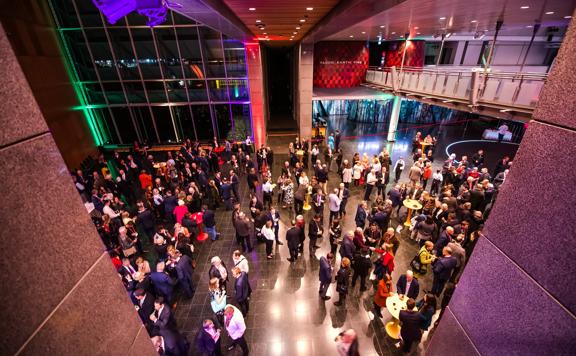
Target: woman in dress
(383, 291)
(288, 189)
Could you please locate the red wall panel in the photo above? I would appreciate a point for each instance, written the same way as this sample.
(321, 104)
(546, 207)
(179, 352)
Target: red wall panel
(414, 54)
(340, 64)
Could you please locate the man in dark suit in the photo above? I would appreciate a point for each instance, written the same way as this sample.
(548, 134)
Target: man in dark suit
(315, 231)
(205, 341)
(410, 321)
(183, 267)
(443, 240)
(162, 317)
(343, 194)
(442, 269)
(145, 220)
(361, 267)
(242, 289)
(415, 192)
(144, 306)
(408, 285)
(361, 215)
(163, 284)
(170, 202)
(170, 343)
(347, 248)
(226, 193)
(325, 274)
(293, 239)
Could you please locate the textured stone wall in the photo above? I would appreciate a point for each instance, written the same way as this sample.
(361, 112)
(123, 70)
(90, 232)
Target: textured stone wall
(59, 292)
(305, 75)
(516, 296)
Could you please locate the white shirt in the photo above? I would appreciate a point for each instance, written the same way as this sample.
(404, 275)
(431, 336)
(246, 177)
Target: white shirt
(358, 171)
(242, 263)
(303, 180)
(371, 178)
(399, 164)
(268, 233)
(110, 212)
(267, 187)
(347, 175)
(334, 202)
(438, 177)
(236, 326)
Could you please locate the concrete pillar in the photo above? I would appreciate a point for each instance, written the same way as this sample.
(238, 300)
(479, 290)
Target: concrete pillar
(305, 75)
(60, 292)
(515, 296)
(394, 117)
(255, 78)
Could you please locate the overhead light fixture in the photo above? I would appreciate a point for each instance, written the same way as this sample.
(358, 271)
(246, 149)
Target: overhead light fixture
(448, 34)
(529, 26)
(442, 18)
(302, 20)
(291, 39)
(524, 7)
(393, 33)
(265, 33)
(550, 13)
(298, 27)
(418, 33)
(416, 27)
(504, 110)
(351, 36)
(309, 8)
(473, 21)
(252, 9)
(258, 21)
(294, 33)
(363, 32)
(568, 17)
(382, 26)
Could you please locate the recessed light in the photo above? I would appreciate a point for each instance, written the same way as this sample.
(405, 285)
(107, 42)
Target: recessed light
(351, 36)
(568, 17)
(252, 9)
(393, 33)
(382, 26)
(550, 13)
(298, 27)
(363, 32)
(309, 8)
(473, 21)
(416, 27)
(442, 18)
(302, 20)
(265, 33)
(418, 33)
(529, 26)
(291, 39)
(524, 7)
(258, 21)
(294, 33)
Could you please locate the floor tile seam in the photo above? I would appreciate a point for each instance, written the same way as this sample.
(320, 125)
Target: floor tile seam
(24, 139)
(532, 279)
(57, 307)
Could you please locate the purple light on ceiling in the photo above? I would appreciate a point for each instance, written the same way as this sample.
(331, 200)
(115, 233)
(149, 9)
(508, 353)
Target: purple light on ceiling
(155, 10)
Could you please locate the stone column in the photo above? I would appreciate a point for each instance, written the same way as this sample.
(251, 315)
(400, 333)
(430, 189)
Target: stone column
(60, 293)
(305, 74)
(516, 295)
(254, 66)
(394, 117)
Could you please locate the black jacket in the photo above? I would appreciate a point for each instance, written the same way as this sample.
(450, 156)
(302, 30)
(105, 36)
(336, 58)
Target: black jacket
(293, 237)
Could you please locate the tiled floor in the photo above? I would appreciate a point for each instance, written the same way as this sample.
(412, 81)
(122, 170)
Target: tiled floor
(286, 315)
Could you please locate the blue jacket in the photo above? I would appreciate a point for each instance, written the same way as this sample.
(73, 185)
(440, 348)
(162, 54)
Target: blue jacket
(443, 267)
(163, 284)
(242, 287)
(325, 270)
(347, 249)
(414, 287)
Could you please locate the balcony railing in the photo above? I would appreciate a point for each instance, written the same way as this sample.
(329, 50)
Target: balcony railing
(517, 91)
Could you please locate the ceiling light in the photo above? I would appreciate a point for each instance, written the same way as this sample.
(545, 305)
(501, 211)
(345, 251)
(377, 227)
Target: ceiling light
(298, 27)
(442, 18)
(382, 26)
(291, 39)
(393, 33)
(550, 13)
(265, 33)
(417, 33)
(258, 21)
(524, 7)
(252, 9)
(448, 34)
(568, 17)
(473, 21)
(309, 8)
(351, 36)
(416, 27)
(529, 26)
(294, 33)
(363, 32)
(302, 20)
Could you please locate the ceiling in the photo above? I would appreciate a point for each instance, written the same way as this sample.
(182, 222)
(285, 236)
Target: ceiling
(280, 18)
(424, 18)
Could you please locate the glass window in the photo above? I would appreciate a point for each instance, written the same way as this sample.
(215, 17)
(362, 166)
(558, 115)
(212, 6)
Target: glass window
(238, 90)
(106, 120)
(203, 122)
(144, 44)
(168, 50)
(114, 93)
(89, 13)
(135, 92)
(156, 93)
(181, 19)
(212, 50)
(143, 119)
(183, 120)
(176, 91)
(102, 55)
(65, 13)
(124, 123)
(80, 55)
(163, 121)
(197, 90)
(125, 59)
(235, 58)
(94, 93)
(242, 121)
(223, 122)
(191, 58)
(218, 90)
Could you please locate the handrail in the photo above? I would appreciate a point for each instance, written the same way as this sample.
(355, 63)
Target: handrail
(510, 75)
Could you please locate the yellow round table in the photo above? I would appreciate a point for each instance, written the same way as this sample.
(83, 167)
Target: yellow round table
(411, 204)
(394, 304)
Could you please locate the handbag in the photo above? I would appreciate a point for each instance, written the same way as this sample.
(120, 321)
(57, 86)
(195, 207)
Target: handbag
(129, 251)
(415, 264)
(218, 307)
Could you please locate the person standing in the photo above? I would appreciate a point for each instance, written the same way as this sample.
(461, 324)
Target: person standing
(242, 290)
(334, 235)
(361, 215)
(274, 216)
(242, 225)
(408, 285)
(398, 168)
(235, 326)
(209, 222)
(163, 284)
(383, 291)
(361, 267)
(342, 278)
(208, 339)
(293, 240)
(315, 231)
(343, 194)
(371, 180)
(183, 266)
(325, 274)
(334, 205)
(410, 321)
(240, 261)
(268, 234)
(442, 269)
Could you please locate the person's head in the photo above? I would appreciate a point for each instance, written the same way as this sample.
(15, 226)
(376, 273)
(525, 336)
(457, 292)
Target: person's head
(410, 304)
(139, 293)
(159, 303)
(409, 275)
(429, 245)
(236, 254)
(229, 311)
(214, 283)
(330, 256)
(430, 300)
(216, 261)
(160, 266)
(345, 262)
(450, 230)
(349, 235)
(207, 324)
(335, 222)
(140, 260)
(446, 251)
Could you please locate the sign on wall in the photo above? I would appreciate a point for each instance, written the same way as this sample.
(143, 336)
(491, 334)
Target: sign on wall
(340, 64)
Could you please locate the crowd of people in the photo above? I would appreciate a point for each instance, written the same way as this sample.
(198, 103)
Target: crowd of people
(153, 212)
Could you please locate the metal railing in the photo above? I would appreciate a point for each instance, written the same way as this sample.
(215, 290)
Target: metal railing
(503, 89)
